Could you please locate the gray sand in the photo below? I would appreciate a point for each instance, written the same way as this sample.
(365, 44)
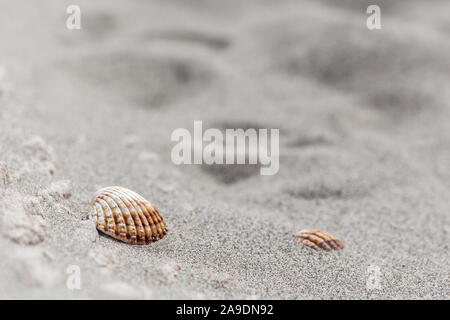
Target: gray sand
(364, 128)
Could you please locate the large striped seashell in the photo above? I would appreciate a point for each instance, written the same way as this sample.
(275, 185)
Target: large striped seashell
(125, 215)
(317, 239)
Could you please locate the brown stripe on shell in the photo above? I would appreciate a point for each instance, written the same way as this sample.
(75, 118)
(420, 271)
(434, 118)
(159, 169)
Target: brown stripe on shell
(147, 238)
(123, 212)
(319, 239)
(127, 216)
(99, 220)
(336, 240)
(332, 240)
(121, 227)
(309, 244)
(138, 218)
(147, 209)
(159, 229)
(110, 224)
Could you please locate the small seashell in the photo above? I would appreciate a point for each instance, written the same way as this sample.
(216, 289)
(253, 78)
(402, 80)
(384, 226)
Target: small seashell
(317, 239)
(125, 215)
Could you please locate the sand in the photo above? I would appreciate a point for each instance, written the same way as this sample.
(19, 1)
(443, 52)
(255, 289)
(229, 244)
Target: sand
(364, 154)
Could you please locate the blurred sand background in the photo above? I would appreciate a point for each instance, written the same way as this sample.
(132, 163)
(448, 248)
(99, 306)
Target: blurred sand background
(364, 147)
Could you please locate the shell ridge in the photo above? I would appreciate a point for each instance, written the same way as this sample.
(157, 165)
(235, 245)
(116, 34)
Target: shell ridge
(127, 219)
(99, 217)
(132, 198)
(121, 228)
(142, 203)
(156, 217)
(330, 239)
(149, 218)
(110, 224)
(135, 216)
(319, 239)
(309, 244)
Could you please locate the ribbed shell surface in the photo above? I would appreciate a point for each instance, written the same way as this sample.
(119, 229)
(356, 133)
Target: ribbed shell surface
(125, 215)
(318, 239)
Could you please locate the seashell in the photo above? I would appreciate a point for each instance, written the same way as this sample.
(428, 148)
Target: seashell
(125, 215)
(317, 239)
